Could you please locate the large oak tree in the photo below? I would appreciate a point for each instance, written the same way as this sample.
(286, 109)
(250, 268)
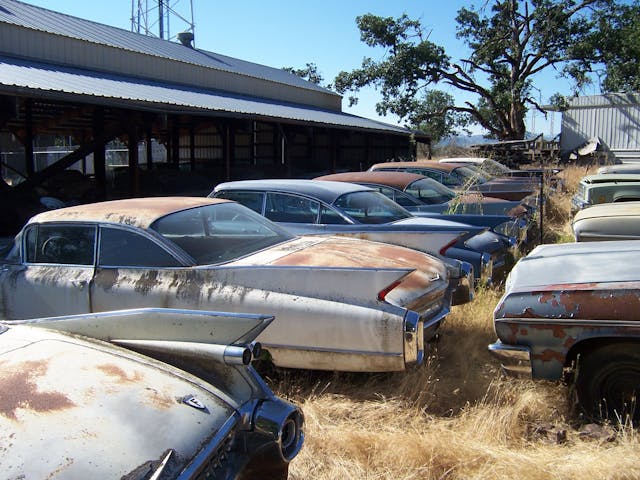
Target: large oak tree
(510, 42)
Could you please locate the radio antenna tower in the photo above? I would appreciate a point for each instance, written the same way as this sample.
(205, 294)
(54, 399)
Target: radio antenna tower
(160, 18)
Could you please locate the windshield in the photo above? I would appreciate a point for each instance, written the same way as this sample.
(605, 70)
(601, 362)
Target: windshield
(370, 207)
(429, 191)
(470, 175)
(219, 233)
(492, 167)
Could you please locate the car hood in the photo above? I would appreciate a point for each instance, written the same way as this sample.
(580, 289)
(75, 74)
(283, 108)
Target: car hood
(106, 412)
(574, 281)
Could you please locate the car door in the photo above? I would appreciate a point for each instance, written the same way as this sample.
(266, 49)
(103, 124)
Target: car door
(52, 274)
(135, 271)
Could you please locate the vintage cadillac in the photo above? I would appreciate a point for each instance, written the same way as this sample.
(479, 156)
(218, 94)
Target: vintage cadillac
(73, 405)
(606, 188)
(339, 303)
(317, 207)
(607, 221)
(572, 311)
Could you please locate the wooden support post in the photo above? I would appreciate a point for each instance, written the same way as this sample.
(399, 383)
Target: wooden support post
(99, 156)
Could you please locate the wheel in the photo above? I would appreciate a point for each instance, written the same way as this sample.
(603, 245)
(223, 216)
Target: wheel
(608, 381)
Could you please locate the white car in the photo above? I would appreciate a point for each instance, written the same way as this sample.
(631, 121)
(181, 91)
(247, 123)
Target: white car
(339, 303)
(73, 406)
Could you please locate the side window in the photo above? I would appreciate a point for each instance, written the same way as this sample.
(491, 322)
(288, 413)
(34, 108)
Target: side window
(252, 200)
(281, 207)
(452, 180)
(63, 244)
(331, 217)
(123, 248)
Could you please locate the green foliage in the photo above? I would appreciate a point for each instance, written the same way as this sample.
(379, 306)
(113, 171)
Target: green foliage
(310, 73)
(510, 42)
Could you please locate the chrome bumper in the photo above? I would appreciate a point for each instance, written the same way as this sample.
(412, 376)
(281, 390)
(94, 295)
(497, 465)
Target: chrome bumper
(464, 287)
(515, 359)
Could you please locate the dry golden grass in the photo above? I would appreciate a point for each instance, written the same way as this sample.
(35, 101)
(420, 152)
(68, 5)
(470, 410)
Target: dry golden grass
(455, 417)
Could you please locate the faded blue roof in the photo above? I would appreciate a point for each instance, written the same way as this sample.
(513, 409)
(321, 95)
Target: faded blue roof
(49, 21)
(325, 191)
(25, 76)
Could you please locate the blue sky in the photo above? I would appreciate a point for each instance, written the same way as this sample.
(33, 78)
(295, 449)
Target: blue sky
(291, 33)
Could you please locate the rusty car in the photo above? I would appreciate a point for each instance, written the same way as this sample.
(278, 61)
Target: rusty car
(341, 208)
(607, 221)
(465, 178)
(77, 400)
(572, 312)
(340, 303)
(606, 188)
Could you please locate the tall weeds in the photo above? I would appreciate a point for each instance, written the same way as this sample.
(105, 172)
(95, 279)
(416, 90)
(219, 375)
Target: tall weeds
(454, 417)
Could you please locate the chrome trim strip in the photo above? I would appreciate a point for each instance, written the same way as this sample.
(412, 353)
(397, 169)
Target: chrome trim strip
(332, 350)
(570, 322)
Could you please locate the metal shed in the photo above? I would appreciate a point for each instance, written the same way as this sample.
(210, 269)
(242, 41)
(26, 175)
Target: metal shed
(140, 115)
(613, 119)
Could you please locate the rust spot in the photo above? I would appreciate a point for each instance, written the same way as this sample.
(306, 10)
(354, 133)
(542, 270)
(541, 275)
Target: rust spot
(19, 389)
(158, 399)
(549, 356)
(122, 376)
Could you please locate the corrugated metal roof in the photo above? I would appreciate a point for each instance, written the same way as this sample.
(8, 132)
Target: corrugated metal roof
(49, 21)
(28, 76)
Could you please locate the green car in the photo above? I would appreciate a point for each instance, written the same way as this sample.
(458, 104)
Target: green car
(609, 188)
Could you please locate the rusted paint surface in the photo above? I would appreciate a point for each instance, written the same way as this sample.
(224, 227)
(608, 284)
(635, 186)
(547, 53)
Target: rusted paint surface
(575, 301)
(19, 390)
(119, 375)
(139, 212)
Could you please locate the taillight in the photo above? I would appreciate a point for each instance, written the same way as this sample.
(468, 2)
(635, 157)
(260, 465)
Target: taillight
(382, 294)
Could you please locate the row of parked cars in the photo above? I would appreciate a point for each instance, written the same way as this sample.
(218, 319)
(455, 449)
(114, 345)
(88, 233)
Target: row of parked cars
(571, 311)
(131, 325)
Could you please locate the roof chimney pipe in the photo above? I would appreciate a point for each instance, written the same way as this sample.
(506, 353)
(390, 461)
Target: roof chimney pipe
(185, 38)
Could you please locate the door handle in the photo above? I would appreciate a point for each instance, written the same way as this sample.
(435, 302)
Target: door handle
(79, 283)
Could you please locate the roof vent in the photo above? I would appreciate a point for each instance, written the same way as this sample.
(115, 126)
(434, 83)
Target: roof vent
(185, 38)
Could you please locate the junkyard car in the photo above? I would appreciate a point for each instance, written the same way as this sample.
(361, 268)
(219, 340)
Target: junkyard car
(338, 208)
(607, 221)
(418, 193)
(339, 303)
(465, 179)
(572, 311)
(73, 406)
(423, 196)
(606, 188)
(493, 167)
(631, 167)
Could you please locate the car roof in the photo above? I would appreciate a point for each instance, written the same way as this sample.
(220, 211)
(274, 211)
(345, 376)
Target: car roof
(433, 164)
(138, 212)
(399, 180)
(325, 191)
(612, 178)
(607, 210)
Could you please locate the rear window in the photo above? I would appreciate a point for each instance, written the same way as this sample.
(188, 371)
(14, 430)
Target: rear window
(219, 233)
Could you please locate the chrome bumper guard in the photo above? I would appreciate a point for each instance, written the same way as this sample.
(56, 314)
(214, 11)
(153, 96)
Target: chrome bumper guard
(515, 359)
(413, 340)
(464, 290)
